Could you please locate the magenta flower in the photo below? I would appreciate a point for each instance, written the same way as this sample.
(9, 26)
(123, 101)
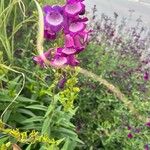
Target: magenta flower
(130, 136)
(146, 147)
(69, 41)
(68, 51)
(74, 8)
(147, 124)
(72, 61)
(66, 18)
(41, 59)
(53, 21)
(146, 76)
(48, 34)
(78, 41)
(59, 61)
(77, 27)
(72, 1)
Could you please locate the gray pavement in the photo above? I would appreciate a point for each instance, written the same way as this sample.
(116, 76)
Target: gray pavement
(122, 7)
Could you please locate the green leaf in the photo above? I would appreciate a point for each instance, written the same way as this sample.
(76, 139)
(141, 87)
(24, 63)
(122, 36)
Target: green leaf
(6, 115)
(33, 119)
(46, 126)
(29, 147)
(37, 107)
(69, 145)
(27, 112)
(26, 100)
(3, 140)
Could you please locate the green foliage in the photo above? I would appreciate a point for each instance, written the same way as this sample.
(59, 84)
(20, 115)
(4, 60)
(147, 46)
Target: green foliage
(102, 120)
(31, 110)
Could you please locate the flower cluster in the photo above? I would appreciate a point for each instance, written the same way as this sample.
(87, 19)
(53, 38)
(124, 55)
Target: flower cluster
(69, 20)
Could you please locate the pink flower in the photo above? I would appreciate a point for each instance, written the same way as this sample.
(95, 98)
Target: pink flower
(41, 59)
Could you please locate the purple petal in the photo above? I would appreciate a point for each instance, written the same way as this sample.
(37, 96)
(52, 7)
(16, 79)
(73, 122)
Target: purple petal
(68, 51)
(73, 8)
(76, 27)
(47, 9)
(79, 42)
(54, 18)
(58, 8)
(72, 61)
(49, 35)
(59, 61)
(69, 41)
(74, 1)
(41, 59)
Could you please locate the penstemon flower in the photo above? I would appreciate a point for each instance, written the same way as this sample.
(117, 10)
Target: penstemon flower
(67, 19)
(53, 21)
(42, 58)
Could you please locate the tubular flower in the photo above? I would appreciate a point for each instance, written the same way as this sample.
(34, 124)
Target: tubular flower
(67, 19)
(41, 59)
(59, 61)
(73, 8)
(53, 21)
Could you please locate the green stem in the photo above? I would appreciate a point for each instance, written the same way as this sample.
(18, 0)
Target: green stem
(23, 83)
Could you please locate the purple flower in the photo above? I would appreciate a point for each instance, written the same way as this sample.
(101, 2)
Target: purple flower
(147, 124)
(78, 41)
(146, 76)
(64, 56)
(59, 61)
(48, 34)
(130, 136)
(69, 41)
(62, 82)
(73, 1)
(137, 130)
(53, 21)
(146, 147)
(66, 18)
(68, 51)
(42, 59)
(74, 8)
(75, 42)
(77, 27)
(72, 61)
